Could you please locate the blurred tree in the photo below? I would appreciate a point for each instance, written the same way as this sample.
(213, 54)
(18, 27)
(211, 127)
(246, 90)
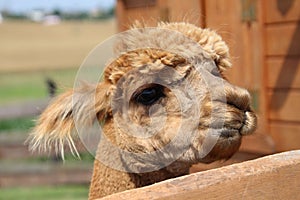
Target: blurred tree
(57, 12)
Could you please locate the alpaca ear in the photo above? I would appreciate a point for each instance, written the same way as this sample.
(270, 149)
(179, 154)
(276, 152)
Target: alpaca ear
(216, 48)
(80, 107)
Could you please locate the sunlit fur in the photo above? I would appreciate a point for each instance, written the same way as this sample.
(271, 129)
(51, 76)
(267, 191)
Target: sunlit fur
(56, 124)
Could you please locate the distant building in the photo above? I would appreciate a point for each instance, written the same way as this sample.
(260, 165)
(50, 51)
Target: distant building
(1, 18)
(50, 20)
(36, 15)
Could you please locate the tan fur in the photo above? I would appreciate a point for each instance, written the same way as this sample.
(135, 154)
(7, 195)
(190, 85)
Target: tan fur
(230, 112)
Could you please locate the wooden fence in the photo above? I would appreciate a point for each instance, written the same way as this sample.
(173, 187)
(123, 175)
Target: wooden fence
(281, 28)
(272, 177)
(17, 167)
(23, 109)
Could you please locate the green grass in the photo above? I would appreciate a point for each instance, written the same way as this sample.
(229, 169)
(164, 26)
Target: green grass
(70, 159)
(19, 124)
(71, 192)
(17, 87)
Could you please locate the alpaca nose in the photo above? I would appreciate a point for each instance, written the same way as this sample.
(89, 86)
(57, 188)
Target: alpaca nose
(241, 99)
(231, 95)
(222, 91)
(238, 97)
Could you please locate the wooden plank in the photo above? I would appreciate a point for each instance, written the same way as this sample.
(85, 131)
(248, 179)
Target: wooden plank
(229, 26)
(238, 157)
(272, 177)
(189, 11)
(282, 11)
(284, 105)
(284, 72)
(127, 16)
(23, 109)
(148, 15)
(138, 3)
(244, 40)
(258, 143)
(261, 70)
(12, 146)
(286, 136)
(162, 10)
(283, 39)
(18, 174)
(120, 15)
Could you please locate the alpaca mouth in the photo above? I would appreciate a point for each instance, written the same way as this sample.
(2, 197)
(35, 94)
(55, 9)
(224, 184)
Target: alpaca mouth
(229, 133)
(246, 127)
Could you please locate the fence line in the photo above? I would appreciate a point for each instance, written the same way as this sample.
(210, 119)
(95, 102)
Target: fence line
(23, 109)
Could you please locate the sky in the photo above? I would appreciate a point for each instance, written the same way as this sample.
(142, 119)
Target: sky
(20, 6)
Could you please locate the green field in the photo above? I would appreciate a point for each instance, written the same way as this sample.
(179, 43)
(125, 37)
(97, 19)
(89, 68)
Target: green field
(21, 86)
(70, 192)
(31, 52)
(19, 124)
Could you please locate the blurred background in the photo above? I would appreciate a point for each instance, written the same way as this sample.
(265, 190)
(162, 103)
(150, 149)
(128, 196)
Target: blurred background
(43, 43)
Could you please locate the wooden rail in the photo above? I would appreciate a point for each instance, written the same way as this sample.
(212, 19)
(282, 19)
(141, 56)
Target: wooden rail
(271, 177)
(23, 109)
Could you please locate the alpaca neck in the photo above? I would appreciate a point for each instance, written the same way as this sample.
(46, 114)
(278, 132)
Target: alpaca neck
(106, 181)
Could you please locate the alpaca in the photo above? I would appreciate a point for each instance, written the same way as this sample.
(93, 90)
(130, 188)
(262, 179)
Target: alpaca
(177, 93)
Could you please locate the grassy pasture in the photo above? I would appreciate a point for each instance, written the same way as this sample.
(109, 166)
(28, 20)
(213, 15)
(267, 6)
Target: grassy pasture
(27, 46)
(23, 86)
(31, 52)
(72, 192)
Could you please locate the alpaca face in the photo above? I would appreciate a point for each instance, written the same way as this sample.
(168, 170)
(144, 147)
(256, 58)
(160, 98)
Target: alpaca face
(187, 112)
(163, 100)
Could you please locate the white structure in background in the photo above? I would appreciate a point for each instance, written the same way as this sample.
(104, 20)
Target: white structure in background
(50, 20)
(40, 16)
(36, 15)
(95, 12)
(1, 18)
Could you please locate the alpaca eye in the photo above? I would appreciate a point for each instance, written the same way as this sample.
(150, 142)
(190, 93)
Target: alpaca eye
(149, 96)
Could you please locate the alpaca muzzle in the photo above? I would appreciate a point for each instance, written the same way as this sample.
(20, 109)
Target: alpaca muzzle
(240, 100)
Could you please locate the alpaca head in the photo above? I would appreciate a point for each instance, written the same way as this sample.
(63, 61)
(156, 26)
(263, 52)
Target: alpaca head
(163, 99)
